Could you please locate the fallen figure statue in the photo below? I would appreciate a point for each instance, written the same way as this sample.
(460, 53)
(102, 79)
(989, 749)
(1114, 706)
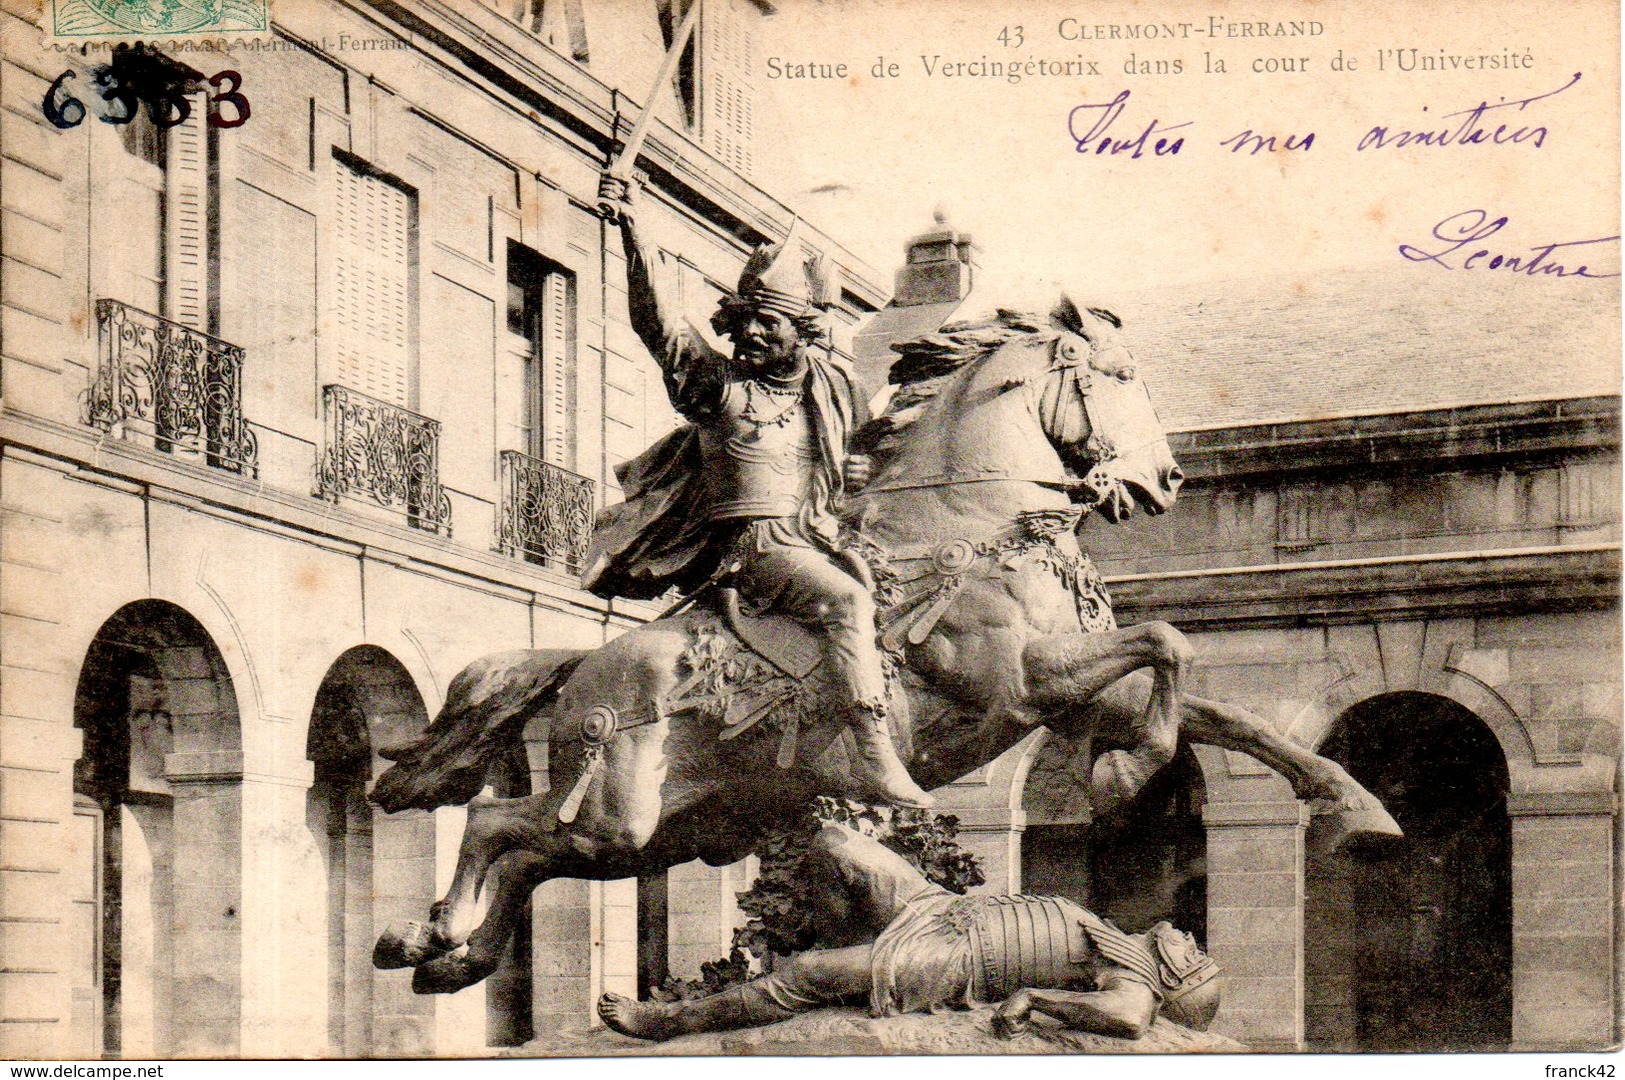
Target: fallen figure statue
(911, 946)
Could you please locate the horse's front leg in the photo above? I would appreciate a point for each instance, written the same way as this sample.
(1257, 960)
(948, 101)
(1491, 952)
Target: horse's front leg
(1067, 670)
(1341, 805)
(494, 827)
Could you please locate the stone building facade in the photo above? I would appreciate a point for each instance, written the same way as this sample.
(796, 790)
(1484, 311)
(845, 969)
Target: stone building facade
(300, 417)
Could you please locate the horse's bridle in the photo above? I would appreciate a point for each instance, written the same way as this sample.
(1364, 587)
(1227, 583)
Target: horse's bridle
(1069, 354)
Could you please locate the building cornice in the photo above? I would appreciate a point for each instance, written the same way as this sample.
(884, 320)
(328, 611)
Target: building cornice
(1386, 441)
(133, 469)
(1510, 581)
(510, 61)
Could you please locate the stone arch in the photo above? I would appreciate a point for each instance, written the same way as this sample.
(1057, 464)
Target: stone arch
(1011, 779)
(1412, 950)
(1425, 656)
(1443, 680)
(375, 868)
(159, 815)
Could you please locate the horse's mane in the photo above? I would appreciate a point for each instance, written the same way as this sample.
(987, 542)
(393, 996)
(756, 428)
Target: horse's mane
(932, 356)
(925, 363)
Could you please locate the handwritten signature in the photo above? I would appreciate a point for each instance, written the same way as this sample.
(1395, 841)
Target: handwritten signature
(1471, 130)
(1095, 139)
(1460, 233)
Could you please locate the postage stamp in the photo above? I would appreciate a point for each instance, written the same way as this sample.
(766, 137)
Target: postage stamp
(77, 21)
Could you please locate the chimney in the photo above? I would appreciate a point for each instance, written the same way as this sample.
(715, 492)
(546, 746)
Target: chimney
(939, 267)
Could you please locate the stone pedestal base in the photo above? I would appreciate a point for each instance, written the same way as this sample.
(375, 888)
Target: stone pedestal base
(849, 1032)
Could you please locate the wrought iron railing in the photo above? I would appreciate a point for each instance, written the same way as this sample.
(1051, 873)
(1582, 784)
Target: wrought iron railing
(385, 453)
(177, 387)
(546, 512)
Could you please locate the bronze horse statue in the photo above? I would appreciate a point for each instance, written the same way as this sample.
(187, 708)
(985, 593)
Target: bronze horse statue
(699, 734)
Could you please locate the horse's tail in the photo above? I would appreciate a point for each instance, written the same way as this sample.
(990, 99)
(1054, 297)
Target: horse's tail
(487, 707)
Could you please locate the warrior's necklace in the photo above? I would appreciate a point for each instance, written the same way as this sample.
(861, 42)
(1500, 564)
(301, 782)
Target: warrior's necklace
(760, 418)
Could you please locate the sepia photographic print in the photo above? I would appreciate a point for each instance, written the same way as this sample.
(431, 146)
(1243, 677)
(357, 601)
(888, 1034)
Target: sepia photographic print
(627, 528)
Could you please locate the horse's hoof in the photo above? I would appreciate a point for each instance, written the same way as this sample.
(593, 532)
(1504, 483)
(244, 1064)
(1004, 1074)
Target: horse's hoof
(403, 945)
(1341, 829)
(1117, 777)
(446, 975)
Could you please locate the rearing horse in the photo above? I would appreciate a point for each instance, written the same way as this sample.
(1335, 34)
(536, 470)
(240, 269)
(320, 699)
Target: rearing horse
(675, 742)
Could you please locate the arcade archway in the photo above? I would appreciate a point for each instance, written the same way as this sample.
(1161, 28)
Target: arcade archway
(1141, 864)
(378, 868)
(1410, 948)
(157, 841)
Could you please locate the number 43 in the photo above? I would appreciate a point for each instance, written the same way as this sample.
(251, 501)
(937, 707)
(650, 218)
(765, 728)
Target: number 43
(1011, 37)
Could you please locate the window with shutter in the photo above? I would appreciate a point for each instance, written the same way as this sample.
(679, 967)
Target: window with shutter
(557, 369)
(726, 103)
(186, 218)
(374, 240)
(128, 191)
(542, 308)
(671, 14)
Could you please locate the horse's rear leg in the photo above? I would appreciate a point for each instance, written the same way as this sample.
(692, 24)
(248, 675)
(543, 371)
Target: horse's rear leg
(1067, 670)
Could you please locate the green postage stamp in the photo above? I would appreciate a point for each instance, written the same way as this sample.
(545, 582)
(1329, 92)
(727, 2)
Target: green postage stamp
(75, 21)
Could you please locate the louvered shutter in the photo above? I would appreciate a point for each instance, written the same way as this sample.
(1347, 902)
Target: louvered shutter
(186, 210)
(726, 102)
(372, 306)
(558, 369)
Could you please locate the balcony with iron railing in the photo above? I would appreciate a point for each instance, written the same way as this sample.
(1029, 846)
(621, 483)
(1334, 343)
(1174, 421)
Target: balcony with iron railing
(545, 515)
(378, 452)
(170, 387)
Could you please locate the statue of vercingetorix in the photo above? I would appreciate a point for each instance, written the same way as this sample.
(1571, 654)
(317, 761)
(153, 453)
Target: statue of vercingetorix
(747, 489)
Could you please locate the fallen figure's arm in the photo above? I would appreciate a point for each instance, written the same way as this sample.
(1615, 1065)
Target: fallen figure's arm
(1123, 1007)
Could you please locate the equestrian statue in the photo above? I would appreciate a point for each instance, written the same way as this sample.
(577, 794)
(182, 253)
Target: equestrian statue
(870, 642)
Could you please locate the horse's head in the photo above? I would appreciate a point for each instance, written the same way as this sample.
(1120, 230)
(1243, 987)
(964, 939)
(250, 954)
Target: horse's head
(1047, 400)
(1099, 417)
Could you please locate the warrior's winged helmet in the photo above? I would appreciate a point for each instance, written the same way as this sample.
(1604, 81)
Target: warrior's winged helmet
(1188, 977)
(784, 278)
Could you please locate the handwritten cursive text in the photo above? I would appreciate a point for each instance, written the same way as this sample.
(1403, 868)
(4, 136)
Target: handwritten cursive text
(1101, 117)
(1471, 130)
(1460, 235)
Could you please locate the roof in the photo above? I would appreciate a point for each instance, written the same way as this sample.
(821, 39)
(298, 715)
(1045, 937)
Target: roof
(1354, 343)
(871, 345)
